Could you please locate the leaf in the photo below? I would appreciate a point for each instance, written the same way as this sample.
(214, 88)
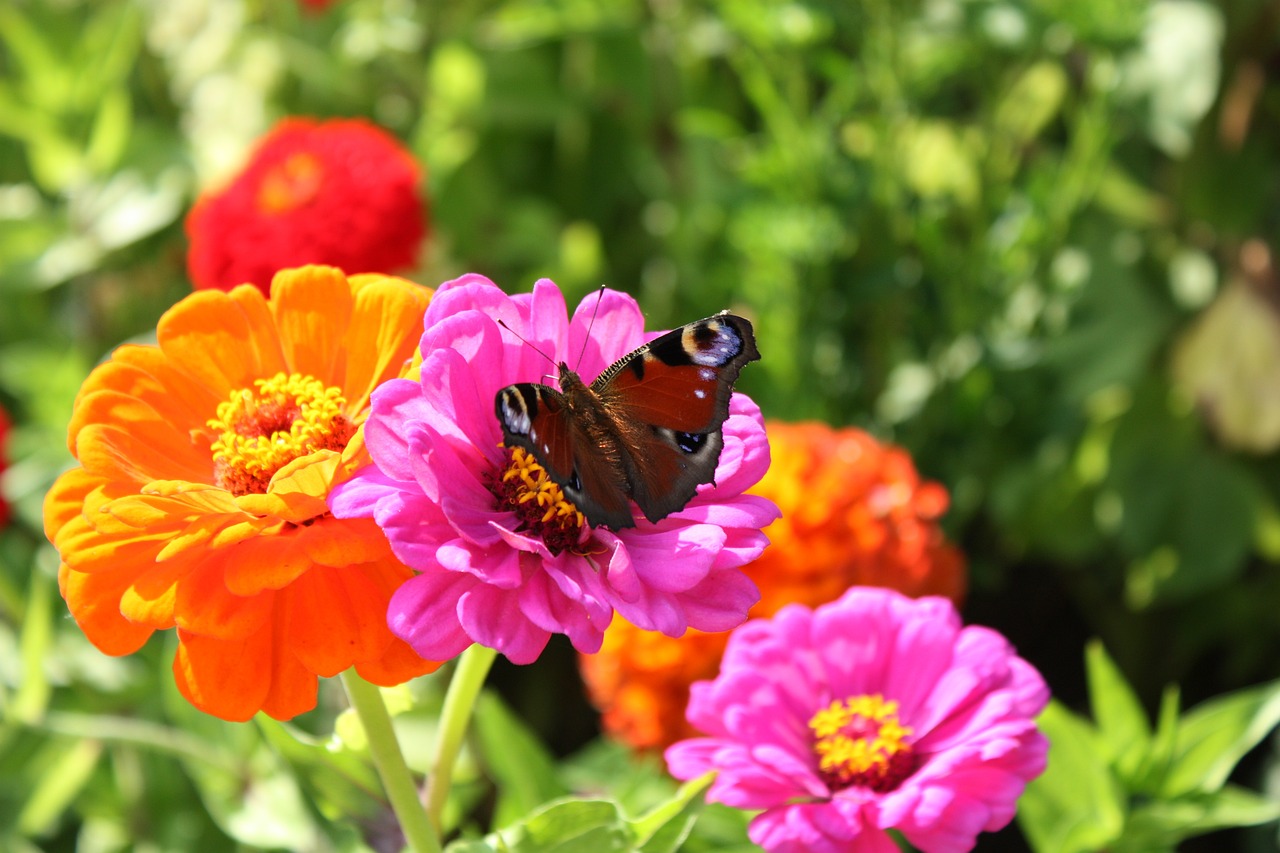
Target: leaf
(58, 785)
(1151, 777)
(339, 779)
(1120, 717)
(665, 828)
(522, 769)
(1076, 805)
(567, 826)
(1032, 101)
(1216, 734)
(1165, 823)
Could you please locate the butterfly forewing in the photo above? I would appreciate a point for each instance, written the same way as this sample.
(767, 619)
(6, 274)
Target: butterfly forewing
(538, 418)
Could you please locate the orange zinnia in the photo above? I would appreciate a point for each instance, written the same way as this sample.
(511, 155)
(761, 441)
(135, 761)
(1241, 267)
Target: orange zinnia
(854, 512)
(199, 500)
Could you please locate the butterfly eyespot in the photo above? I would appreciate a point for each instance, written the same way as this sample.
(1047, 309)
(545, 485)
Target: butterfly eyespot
(711, 343)
(690, 442)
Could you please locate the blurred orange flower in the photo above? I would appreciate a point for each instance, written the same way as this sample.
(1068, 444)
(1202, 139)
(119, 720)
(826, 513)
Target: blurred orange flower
(344, 193)
(854, 512)
(199, 498)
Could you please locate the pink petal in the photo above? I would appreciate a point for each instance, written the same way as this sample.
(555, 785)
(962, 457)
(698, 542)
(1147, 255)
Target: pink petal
(424, 613)
(492, 617)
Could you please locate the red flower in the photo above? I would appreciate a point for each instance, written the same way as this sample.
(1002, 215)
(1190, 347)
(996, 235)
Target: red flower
(343, 193)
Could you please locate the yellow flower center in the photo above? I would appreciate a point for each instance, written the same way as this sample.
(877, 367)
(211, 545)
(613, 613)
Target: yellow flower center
(260, 430)
(291, 184)
(525, 488)
(859, 741)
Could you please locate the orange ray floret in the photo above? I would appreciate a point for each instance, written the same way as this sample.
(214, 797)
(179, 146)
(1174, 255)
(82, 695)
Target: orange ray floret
(199, 500)
(854, 512)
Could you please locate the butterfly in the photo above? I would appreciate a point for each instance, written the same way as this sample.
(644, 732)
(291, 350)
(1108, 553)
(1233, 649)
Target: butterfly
(648, 429)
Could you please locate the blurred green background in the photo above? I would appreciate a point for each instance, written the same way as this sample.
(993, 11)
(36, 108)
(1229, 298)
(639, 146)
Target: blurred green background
(1030, 241)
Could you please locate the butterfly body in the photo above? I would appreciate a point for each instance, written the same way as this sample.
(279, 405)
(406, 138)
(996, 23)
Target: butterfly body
(648, 429)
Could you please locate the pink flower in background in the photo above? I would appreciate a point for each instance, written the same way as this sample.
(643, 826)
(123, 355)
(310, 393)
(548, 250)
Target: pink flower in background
(504, 559)
(873, 712)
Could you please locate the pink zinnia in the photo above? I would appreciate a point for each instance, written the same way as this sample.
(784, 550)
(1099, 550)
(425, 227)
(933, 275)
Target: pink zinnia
(873, 712)
(496, 567)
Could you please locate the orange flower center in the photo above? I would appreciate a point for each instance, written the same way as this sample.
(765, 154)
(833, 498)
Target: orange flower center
(538, 502)
(859, 741)
(260, 430)
(291, 184)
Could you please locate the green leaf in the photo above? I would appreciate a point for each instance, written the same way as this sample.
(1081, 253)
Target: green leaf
(32, 697)
(1032, 102)
(1120, 718)
(58, 785)
(567, 826)
(338, 781)
(1165, 823)
(1076, 805)
(522, 769)
(1151, 777)
(666, 827)
(1216, 734)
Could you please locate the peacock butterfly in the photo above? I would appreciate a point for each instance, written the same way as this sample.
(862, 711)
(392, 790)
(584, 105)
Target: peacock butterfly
(648, 428)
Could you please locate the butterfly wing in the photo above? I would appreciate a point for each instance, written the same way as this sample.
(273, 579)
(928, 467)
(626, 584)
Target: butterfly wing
(538, 418)
(669, 400)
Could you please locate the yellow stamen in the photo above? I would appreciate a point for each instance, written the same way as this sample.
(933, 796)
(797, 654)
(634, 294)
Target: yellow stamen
(860, 741)
(539, 503)
(260, 430)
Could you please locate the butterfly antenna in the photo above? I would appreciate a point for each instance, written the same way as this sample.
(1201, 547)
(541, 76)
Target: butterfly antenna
(530, 344)
(591, 325)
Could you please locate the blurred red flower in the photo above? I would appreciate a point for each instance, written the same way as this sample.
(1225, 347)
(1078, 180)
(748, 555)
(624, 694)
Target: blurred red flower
(343, 193)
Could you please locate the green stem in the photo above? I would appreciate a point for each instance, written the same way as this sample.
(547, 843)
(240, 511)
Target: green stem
(459, 702)
(389, 760)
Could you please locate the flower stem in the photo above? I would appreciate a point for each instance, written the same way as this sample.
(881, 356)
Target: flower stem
(459, 702)
(389, 760)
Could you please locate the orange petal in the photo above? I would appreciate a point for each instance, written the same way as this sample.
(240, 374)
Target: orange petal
(227, 678)
(293, 689)
(64, 501)
(86, 549)
(122, 438)
(149, 599)
(398, 664)
(384, 333)
(182, 391)
(224, 343)
(265, 562)
(345, 541)
(205, 606)
(336, 617)
(312, 307)
(94, 602)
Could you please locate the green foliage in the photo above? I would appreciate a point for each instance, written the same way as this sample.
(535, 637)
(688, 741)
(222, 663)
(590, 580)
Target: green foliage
(589, 826)
(979, 229)
(1121, 785)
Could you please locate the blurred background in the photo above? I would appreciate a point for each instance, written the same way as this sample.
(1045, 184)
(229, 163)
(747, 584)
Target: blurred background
(1030, 242)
